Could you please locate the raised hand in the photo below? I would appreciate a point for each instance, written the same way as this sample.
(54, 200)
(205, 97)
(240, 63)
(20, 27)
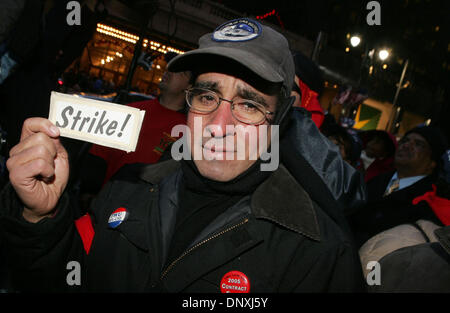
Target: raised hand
(38, 168)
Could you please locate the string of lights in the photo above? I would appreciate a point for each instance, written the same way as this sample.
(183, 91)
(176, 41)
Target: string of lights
(117, 33)
(271, 13)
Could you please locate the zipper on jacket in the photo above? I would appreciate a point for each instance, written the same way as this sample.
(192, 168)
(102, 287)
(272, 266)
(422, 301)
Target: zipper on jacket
(199, 245)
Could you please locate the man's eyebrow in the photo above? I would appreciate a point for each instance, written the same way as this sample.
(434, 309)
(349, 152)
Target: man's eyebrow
(242, 92)
(251, 95)
(207, 85)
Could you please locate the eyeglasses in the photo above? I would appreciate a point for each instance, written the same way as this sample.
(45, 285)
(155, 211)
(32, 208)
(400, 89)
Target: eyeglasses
(207, 101)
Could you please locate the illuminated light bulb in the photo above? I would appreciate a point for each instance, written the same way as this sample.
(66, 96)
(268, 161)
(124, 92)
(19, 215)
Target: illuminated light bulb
(383, 54)
(355, 41)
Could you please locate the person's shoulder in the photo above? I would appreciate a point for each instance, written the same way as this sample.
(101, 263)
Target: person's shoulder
(403, 269)
(382, 178)
(132, 185)
(144, 105)
(377, 185)
(288, 204)
(146, 173)
(332, 234)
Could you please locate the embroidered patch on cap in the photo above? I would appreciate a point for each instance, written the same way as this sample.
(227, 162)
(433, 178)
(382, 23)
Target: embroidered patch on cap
(117, 217)
(242, 29)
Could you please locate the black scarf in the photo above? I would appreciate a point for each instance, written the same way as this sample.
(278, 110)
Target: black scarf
(201, 200)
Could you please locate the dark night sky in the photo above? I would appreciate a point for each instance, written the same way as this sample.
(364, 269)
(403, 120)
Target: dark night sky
(406, 24)
(408, 27)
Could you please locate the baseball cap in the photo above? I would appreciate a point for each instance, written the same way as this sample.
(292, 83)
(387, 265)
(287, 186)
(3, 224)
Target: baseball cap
(257, 47)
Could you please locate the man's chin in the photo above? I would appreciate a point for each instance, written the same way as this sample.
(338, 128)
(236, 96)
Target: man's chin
(221, 170)
(219, 155)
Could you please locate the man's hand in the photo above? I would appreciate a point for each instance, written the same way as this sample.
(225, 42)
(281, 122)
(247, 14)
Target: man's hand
(38, 168)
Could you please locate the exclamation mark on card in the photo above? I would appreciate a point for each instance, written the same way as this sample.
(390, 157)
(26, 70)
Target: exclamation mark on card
(124, 124)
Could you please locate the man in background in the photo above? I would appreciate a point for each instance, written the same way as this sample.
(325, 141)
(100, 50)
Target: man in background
(391, 195)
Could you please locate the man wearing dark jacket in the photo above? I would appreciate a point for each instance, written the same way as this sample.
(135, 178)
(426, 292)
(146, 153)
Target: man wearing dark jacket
(217, 223)
(391, 195)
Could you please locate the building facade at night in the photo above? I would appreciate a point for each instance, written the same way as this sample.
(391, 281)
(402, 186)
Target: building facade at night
(175, 29)
(175, 26)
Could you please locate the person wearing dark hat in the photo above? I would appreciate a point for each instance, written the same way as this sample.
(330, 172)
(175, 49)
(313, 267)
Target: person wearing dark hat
(308, 86)
(212, 222)
(391, 195)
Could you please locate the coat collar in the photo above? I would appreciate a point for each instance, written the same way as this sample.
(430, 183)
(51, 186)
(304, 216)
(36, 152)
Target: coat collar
(280, 198)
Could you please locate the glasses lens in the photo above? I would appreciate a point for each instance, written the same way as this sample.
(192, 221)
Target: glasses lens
(249, 112)
(202, 100)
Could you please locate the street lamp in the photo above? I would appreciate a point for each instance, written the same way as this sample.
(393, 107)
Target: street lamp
(383, 54)
(368, 61)
(355, 41)
(395, 113)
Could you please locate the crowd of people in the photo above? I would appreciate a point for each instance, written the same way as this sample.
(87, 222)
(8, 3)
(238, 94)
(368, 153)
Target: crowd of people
(340, 199)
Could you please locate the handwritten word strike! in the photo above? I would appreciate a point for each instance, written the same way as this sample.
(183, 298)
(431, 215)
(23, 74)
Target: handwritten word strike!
(91, 124)
(108, 124)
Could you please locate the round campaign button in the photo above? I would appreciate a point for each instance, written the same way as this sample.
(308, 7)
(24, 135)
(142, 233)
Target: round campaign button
(117, 217)
(235, 282)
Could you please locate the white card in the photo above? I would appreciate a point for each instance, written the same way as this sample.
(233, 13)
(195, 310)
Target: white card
(104, 123)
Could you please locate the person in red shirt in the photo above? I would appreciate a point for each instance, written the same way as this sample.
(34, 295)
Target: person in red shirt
(378, 154)
(162, 114)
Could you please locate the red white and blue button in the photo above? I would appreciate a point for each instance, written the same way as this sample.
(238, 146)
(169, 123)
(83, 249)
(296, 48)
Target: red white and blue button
(117, 217)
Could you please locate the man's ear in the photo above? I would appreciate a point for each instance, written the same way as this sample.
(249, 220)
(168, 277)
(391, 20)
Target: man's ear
(282, 111)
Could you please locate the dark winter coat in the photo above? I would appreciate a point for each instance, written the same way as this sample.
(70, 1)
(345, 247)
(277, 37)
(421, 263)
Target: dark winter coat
(278, 237)
(382, 213)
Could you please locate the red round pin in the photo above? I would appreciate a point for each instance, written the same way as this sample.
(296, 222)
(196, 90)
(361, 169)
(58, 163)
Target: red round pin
(235, 282)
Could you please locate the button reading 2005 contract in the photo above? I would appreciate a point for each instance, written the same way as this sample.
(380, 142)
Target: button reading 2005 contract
(235, 282)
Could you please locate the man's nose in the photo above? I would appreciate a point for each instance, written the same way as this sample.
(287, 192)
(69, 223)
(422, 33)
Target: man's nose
(407, 144)
(220, 119)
